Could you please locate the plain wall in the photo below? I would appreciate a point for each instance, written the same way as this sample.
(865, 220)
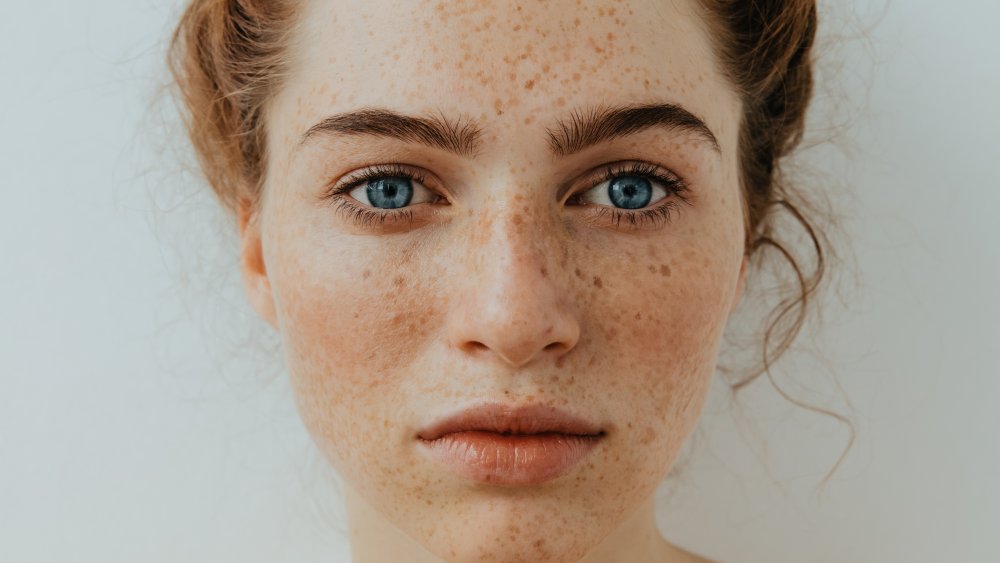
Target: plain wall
(131, 431)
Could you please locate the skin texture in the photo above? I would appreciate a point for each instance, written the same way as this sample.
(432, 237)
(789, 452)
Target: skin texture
(500, 289)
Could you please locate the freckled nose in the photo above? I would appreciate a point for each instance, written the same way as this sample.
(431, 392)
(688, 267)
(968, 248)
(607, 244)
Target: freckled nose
(513, 302)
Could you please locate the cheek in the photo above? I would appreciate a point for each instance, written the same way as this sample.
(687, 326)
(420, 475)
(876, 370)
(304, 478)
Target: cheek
(657, 329)
(351, 324)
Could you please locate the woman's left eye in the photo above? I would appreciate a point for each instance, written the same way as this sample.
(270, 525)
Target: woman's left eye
(626, 192)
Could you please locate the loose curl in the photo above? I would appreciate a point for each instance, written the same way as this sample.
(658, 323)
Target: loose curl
(228, 58)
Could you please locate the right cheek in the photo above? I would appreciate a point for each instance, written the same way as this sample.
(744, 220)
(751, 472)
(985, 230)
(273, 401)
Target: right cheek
(351, 324)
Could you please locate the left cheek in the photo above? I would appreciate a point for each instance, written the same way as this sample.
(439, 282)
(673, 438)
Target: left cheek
(667, 337)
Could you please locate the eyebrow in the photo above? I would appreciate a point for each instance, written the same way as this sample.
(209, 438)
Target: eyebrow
(583, 129)
(459, 137)
(588, 128)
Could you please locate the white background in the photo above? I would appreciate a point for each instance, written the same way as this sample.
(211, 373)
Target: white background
(134, 427)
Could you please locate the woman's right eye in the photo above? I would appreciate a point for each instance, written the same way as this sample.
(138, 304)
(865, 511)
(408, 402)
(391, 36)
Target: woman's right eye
(389, 192)
(380, 194)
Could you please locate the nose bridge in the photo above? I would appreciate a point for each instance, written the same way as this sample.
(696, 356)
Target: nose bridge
(512, 303)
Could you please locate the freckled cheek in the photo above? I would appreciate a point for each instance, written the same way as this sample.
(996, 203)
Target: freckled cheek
(349, 334)
(666, 337)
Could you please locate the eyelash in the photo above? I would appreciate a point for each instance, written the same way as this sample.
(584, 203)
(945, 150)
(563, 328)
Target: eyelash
(659, 214)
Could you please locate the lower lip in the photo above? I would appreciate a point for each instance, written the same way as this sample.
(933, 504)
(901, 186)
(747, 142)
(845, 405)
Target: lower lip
(510, 459)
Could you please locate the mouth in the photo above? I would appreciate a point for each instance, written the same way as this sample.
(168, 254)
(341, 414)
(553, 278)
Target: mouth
(507, 445)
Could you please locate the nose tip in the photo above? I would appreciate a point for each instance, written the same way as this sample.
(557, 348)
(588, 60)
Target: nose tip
(519, 342)
(514, 302)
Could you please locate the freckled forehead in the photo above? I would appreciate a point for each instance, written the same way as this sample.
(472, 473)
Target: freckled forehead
(499, 60)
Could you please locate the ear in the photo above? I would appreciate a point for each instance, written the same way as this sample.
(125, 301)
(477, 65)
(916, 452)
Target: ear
(740, 285)
(252, 267)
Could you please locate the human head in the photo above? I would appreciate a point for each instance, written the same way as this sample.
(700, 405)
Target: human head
(511, 291)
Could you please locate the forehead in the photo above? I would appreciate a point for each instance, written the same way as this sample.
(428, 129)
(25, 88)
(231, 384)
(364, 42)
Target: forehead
(503, 63)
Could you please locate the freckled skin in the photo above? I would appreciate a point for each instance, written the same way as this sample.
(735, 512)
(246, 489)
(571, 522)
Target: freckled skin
(503, 290)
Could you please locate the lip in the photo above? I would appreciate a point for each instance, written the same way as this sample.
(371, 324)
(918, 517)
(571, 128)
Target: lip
(510, 419)
(510, 445)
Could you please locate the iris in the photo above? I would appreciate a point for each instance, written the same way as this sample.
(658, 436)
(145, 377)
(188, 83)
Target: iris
(630, 192)
(390, 192)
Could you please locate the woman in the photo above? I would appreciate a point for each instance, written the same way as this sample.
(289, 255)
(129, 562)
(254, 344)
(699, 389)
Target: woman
(500, 243)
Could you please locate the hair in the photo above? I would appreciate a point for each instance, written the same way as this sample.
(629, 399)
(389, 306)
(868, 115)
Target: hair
(228, 58)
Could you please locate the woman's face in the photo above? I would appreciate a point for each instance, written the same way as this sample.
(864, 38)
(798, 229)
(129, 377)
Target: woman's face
(507, 268)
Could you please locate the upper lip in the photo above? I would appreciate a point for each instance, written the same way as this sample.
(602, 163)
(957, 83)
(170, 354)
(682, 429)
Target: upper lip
(505, 418)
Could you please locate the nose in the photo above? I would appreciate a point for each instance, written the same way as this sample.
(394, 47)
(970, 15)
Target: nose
(512, 302)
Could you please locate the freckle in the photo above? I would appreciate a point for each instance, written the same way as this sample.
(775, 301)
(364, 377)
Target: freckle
(518, 220)
(638, 316)
(598, 282)
(545, 274)
(652, 269)
(560, 102)
(529, 119)
(579, 274)
(648, 436)
(399, 280)
(529, 84)
(576, 76)
(498, 106)
(366, 274)
(664, 270)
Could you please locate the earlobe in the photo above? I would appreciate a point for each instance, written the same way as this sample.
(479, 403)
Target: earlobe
(252, 266)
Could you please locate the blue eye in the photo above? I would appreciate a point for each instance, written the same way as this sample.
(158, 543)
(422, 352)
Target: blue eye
(623, 191)
(630, 192)
(390, 192)
(627, 190)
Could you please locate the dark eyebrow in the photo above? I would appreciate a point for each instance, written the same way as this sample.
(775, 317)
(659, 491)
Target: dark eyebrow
(582, 130)
(460, 137)
(587, 128)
